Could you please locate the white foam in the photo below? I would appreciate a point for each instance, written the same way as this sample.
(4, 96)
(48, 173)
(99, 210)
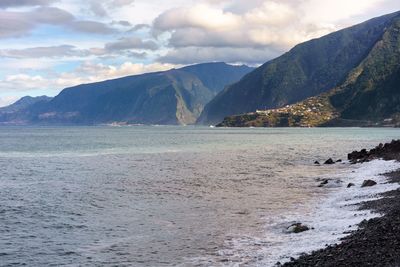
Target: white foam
(333, 216)
(331, 219)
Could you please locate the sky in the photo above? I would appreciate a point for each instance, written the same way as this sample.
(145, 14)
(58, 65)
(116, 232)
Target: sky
(48, 45)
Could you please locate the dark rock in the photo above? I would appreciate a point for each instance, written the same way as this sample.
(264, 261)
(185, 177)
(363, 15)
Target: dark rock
(329, 161)
(350, 185)
(375, 243)
(386, 151)
(324, 182)
(316, 162)
(367, 183)
(297, 228)
(339, 160)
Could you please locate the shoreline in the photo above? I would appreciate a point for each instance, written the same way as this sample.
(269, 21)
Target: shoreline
(376, 242)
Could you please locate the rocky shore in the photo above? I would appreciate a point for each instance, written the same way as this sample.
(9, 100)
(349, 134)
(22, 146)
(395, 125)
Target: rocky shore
(377, 241)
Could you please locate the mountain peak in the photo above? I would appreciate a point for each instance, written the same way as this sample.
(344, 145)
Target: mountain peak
(308, 69)
(176, 96)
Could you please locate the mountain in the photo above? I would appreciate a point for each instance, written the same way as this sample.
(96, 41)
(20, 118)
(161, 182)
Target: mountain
(307, 70)
(23, 103)
(176, 96)
(7, 114)
(368, 96)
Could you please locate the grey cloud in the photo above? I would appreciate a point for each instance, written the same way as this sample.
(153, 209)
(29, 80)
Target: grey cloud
(131, 43)
(50, 15)
(41, 52)
(13, 24)
(16, 24)
(203, 38)
(122, 23)
(139, 27)
(122, 2)
(137, 55)
(98, 9)
(18, 3)
(91, 27)
(109, 50)
(190, 55)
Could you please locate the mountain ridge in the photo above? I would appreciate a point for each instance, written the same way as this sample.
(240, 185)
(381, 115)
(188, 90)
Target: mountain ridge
(175, 96)
(308, 69)
(369, 96)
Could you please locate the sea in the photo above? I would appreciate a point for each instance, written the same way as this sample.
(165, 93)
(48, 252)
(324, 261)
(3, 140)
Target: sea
(179, 196)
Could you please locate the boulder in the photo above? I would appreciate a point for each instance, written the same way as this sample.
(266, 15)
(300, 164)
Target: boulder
(297, 228)
(350, 185)
(324, 182)
(339, 160)
(316, 162)
(368, 183)
(329, 161)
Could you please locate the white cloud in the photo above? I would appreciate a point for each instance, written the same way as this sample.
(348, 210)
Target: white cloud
(268, 25)
(199, 16)
(181, 31)
(276, 24)
(334, 11)
(7, 100)
(86, 73)
(190, 55)
(40, 52)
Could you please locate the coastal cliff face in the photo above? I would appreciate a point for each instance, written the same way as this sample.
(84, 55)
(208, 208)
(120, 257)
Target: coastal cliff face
(348, 78)
(176, 96)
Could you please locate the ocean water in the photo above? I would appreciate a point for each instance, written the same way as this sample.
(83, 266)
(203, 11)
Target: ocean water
(177, 196)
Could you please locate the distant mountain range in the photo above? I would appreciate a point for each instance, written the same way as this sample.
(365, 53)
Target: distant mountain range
(177, 96)
(347, 78)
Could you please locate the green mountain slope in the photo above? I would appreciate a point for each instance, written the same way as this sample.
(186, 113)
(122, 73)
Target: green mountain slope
(369, 96)
(176, 96)
(309, 69)
(372, 91)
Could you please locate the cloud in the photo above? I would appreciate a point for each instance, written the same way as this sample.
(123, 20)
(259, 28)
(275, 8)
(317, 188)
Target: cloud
(190, 55)
(131, 43)
(40, 52)
(13, 24)
(96, 72)
(139, 27)
(97, 8)
(8, 100)
(17, 24)
(181, 31)
(269, 25)
(100, 8)
(23, 82)
(50, 15)
(87, 72)
(199, 16)
(127, 46)
(91, 27)
(315, 10)
(121, 3)
(124, 23)
(196, 31)
(19, 3)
